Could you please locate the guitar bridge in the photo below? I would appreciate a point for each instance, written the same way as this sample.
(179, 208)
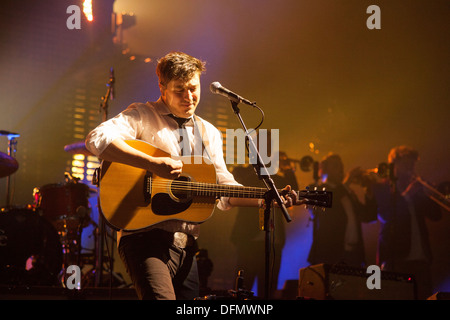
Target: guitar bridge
(148, 187)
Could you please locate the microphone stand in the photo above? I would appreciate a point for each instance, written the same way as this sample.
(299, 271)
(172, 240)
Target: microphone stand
(271, 195)
(12, 143)
(101, 222)
(105, 99)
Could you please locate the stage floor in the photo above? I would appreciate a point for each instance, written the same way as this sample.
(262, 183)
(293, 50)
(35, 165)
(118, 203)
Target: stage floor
(59, 293)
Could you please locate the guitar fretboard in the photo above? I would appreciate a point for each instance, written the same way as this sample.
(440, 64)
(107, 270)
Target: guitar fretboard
(203, 189)
(222, 190)
(217, 190)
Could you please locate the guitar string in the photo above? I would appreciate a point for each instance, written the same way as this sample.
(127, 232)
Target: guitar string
(187, 185)
(204, 186)
(207, 188)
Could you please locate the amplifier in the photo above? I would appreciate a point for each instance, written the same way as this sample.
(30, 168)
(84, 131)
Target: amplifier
(341, 282)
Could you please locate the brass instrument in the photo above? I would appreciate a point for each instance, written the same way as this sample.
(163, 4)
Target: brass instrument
(435, 195)
(368, 177)
(385, 170)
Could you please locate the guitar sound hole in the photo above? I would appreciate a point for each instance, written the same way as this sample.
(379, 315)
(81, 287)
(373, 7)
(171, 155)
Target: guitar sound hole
(180, 189)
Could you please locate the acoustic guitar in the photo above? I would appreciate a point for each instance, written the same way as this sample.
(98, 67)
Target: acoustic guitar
(132, 198)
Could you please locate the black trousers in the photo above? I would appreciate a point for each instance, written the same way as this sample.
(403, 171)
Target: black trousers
(159, 269)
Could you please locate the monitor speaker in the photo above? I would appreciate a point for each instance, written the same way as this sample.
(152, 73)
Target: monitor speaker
(340, 282)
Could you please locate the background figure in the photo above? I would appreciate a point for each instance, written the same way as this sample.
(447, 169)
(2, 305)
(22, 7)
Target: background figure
(205, 267)
(337, 235)
(403, 206)
(249, 239)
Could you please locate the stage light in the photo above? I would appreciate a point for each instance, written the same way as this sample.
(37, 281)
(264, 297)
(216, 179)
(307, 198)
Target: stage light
(79, 157)
(77, 170)
(77, 163)
(87, 10)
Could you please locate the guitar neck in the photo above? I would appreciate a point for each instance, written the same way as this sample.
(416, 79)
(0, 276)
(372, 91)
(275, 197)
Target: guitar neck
(222, 190)
(313, 197)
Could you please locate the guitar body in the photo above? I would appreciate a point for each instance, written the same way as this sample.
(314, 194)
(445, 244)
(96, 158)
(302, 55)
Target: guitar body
(133, 199)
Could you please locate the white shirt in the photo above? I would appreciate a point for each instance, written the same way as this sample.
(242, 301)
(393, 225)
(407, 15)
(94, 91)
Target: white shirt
(150, 122)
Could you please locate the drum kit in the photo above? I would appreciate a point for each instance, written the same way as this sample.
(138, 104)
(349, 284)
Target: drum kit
(39, 241)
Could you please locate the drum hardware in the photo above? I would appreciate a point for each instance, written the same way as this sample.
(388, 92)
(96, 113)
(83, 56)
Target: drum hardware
(8, 164)
(30, 248)
(66, 207)
(80, 148)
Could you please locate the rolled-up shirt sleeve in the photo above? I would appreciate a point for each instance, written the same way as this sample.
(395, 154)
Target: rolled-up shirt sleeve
(126, 125)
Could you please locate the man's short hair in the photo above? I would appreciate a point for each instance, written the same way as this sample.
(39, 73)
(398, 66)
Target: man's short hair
(329, 160)
(403, 152)
(178, 65)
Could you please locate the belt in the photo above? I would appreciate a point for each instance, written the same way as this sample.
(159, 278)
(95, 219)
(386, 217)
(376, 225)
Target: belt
(178, 239)
(182, 240)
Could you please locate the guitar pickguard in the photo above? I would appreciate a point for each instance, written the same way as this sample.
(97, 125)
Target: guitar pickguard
(176, 200)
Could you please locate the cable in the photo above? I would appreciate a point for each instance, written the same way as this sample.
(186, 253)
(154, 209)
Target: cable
(262, 118)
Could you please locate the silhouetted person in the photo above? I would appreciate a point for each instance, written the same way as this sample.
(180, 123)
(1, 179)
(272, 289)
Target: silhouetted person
(247, 237)
(337, 234)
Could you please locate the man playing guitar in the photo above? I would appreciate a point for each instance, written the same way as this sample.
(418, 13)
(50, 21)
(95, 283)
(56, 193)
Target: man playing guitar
(160, 256)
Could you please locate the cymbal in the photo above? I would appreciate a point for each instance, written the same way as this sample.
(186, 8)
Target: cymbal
(77, 148)
(8, 165)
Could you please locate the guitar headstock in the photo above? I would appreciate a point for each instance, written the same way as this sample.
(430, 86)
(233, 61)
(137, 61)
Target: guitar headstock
(316, 198)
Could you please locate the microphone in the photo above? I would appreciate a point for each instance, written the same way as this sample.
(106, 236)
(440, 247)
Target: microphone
(217, 88)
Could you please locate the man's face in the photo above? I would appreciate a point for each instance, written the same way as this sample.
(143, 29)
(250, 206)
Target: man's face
(182, 97)
(404, 168)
